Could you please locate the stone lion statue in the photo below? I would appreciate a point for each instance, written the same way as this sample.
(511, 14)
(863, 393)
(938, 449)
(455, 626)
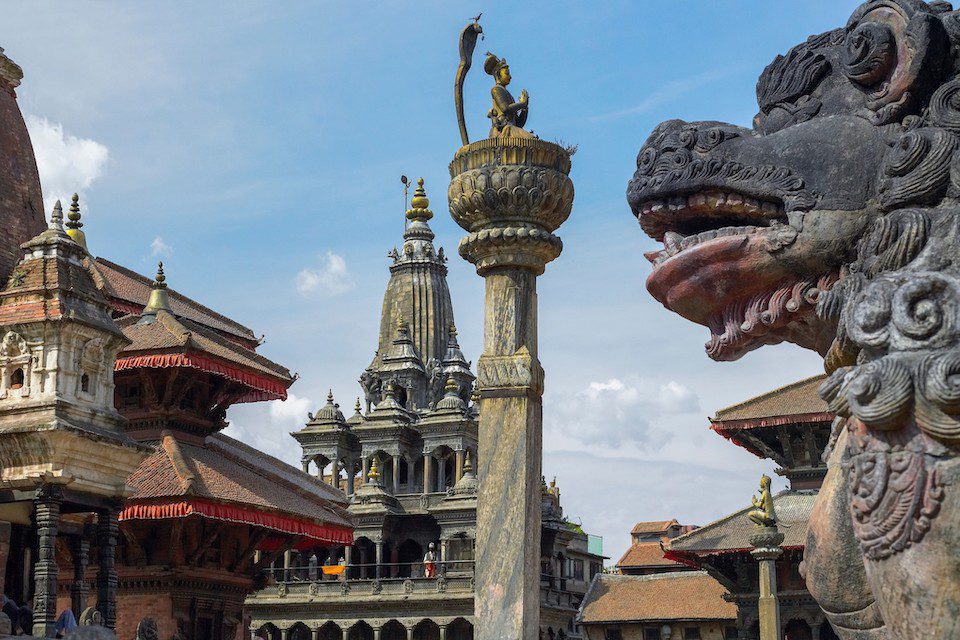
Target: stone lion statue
(834, 223)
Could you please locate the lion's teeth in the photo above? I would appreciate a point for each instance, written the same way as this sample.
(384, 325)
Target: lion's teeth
(672, 240)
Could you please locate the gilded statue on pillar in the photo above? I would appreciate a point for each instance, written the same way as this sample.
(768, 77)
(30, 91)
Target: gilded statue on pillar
(763, 514)
(507, 116)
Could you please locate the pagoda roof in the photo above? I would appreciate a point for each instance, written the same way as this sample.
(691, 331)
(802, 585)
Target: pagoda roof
(659, 526)
(129, 292)
(773, 407)
(180, 342)
(220, 478)
(675, 596)
(644, 554)
(731, 534)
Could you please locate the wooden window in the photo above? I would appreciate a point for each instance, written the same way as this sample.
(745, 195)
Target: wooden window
(691, 633)
(85, 383)
(613, 633)
(16, 379)
(651, 633)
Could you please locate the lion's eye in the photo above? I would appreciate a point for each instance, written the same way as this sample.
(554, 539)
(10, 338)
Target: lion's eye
(870, 53)
(647, 160)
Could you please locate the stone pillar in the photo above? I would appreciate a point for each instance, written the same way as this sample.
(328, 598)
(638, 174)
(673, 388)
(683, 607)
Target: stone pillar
(443, 632)
(396, 474)
(335, 473)
(427, 472)
(441, 474)
(510, 241)
(766, 542)
(365, 465)
(107, 530)
(379, 559)
(315, 633)
(348, 559)
(376, 633)
(80, 550)
(47, 520)
(409, 633)
(351, 468)
(305, 465)
(444, 555)
(346, 633)
(460, 458)
(284, 634)
(815, 632)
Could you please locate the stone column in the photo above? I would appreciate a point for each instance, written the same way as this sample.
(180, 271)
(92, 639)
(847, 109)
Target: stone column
(351, 468)
(80, 550)
(365, 465)
(459, 472)
(335, 473)
(443, 632)
(444, 555)
(107, 530)
(346, 633)
(284, 634)
(47, 520)
(315, 633)
(379, 559)
(348, 559)
(510, 194)
(409, 633)
(376, 633)
(427, 472)
(396, 474)
(766, 542)
(305, 465)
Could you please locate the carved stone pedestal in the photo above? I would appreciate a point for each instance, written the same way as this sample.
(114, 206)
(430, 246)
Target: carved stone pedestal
(766, 542)
(510, 194)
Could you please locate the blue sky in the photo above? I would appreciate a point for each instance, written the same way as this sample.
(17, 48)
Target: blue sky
(257, 147)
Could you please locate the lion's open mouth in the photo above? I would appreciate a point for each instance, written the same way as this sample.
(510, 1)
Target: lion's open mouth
(685, 221)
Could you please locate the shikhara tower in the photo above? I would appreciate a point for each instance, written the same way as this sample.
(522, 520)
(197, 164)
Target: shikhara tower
(408, 464)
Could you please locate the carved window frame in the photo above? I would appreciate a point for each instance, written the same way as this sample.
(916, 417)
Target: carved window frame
(90, 362)
(15, 354)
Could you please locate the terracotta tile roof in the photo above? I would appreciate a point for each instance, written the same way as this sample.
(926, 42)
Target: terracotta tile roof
(794, 399)
(126, 285)
(182, 334)
(653, 527)
(644, 554)
(688, 595)
(223, 469)
(732, 532)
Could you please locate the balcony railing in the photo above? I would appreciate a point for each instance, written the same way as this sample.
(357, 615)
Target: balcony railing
(360, 572)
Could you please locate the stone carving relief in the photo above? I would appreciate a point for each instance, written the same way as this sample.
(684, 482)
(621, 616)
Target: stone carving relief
(15, 365)
(851, 251)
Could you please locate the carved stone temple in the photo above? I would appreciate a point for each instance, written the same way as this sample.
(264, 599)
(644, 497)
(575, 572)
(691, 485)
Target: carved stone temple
(120, 500)
(407, 458)
(833, 223)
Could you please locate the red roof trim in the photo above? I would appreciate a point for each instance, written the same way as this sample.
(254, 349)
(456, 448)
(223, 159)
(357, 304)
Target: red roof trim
(329, 533)
(262, 388)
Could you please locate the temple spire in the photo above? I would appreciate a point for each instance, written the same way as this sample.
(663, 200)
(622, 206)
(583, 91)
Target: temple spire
(56, 217)
(74, 224)
(159, 299)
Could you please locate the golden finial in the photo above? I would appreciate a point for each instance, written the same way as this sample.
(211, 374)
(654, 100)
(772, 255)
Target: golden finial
(467, 465)
(158, 300)
(451, 387)
(401, 324)
(373, 474)
(74, 224)
(356, 407)
(161, 280)
(453, 331)
(419, 204)
(330, 396)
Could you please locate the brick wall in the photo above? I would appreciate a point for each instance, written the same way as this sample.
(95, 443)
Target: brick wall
(21, 204)
(133, 608)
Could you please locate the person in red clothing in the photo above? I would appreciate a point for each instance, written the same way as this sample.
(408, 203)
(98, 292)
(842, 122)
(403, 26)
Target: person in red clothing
(430, 562)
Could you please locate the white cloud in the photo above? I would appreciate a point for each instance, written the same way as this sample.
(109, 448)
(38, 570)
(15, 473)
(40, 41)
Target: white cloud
(267, 426)
(160, 248)
(330, 279)
(67, 164)
(618, 412)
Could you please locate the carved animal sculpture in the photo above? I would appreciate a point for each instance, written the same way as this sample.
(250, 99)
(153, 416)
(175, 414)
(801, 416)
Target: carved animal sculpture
(834, 223)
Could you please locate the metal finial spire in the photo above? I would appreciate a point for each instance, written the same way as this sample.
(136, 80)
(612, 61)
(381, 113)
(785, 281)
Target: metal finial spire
(451, 387)
(74, 214)
(330, 396)
(356, 407)
(467, 464)
(373, 475)
(161, 280)
(419, 204)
